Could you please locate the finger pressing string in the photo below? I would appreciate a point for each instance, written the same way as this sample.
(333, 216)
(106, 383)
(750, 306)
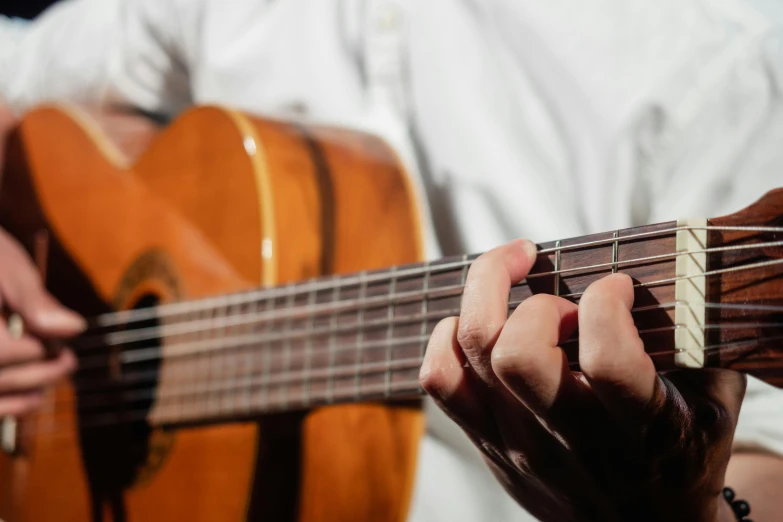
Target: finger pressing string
(185, 308)
(611, 353)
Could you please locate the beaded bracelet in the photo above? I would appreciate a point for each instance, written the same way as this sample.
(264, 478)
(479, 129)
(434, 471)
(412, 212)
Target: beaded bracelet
(741, 508)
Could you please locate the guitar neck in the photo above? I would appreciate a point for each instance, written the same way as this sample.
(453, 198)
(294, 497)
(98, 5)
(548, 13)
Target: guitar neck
(362, 337)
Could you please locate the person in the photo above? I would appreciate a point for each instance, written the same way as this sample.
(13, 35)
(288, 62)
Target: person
(516, 119)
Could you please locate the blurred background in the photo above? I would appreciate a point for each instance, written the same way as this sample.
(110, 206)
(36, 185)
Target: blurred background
(24, 8)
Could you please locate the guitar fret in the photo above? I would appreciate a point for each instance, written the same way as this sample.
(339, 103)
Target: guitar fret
(289, 303)
(332, 345)
(558, 251)
(311, 300)
(360, 336)
(190, 404)
(250, 358)
(178, 369)
(230, 362)
(213, 361)
(425, 304)
(266, 357)
(615, 250)
(463, 276)
(390, 330)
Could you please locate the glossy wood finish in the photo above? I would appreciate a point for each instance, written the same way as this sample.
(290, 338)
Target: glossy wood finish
(212, 192)
(293, 218)
(745, 344)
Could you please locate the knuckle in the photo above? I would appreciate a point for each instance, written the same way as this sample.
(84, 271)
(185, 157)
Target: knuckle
(594, 364)
(520, 362)
(471, 335)
(433, 381)
(540, 301)
(506, 359)
(602, 366)
(600, 310)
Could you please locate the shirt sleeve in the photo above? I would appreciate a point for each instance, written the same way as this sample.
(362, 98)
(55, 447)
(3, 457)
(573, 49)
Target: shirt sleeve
(100, 52)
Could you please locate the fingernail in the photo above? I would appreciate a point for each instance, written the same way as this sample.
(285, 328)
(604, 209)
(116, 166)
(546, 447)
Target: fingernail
(531, 249)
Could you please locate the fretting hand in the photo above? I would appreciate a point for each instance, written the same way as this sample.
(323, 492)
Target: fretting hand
(617, 442)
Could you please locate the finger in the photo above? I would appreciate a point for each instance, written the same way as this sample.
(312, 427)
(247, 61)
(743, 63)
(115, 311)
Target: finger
(22, 290)
(611, 353)
(20, 404)
(502, 428)
(528, 361)
(17, 351)
(444, 378)
(485, 301)
(37, 375)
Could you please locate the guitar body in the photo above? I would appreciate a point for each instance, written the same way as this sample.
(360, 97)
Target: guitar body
(219, 202)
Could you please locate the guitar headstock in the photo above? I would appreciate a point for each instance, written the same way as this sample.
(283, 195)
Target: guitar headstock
(744, 315)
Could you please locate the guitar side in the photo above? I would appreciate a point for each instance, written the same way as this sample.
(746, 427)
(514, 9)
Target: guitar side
(224, 202)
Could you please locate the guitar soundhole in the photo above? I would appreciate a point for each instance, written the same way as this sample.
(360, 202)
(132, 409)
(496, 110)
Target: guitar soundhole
(115, 388)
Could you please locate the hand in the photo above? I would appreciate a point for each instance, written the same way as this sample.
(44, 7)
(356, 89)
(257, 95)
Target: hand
(24, 370)
(617, 442)
(7, 123)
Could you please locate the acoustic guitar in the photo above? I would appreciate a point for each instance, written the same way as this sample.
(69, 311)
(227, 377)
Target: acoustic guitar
(258, 311)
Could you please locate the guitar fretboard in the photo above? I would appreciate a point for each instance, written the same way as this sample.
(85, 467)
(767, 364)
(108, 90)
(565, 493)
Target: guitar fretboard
(349, 338)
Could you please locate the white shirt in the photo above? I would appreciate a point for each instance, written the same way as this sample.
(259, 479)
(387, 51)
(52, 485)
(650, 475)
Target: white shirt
(517, 119)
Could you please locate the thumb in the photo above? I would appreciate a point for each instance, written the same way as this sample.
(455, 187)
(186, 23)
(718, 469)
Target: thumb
(45, 316)
(23, 292)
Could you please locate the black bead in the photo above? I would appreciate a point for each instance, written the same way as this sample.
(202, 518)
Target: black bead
(741, 508)
(746, 520)
(728, 494)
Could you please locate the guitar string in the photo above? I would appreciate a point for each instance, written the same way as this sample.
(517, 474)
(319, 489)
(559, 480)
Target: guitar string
(410, 387)
(745, 267)
(308, 311)
(125, 317)
(248, 341)
(137, 379)
(288, 377)
(763, 325)
(129, 378)
(201, 346)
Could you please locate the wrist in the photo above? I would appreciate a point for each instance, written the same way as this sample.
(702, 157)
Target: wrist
(724, 513)
(731, 508)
